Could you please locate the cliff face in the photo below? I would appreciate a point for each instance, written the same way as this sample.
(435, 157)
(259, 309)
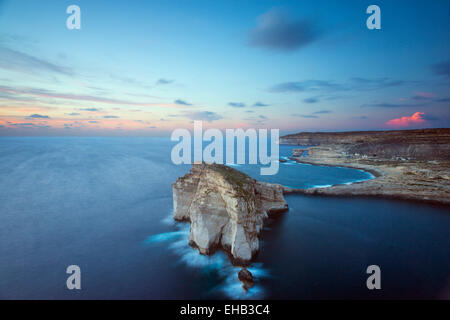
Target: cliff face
(226, 209)
(421, 144)
(408, 164)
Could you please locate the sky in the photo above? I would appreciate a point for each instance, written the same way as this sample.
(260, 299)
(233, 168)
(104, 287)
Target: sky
(145, 68)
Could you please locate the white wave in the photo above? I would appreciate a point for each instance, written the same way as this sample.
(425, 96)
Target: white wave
(166, 236)
(258, 271)
(233, 164)
(219, 262)
(322, 186)
(169, 220)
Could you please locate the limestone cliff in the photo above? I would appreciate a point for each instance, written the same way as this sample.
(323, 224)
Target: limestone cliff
(226, 209)
(407, 164)
(420, 144)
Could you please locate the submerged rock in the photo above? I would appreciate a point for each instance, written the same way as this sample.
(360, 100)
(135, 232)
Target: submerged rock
(246, 278)
(226, 209)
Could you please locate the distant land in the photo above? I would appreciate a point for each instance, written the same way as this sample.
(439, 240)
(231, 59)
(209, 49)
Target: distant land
(407, 164)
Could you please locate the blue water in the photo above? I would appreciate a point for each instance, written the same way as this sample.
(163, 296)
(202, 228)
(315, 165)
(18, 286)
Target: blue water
(105, 204)
(299, 175)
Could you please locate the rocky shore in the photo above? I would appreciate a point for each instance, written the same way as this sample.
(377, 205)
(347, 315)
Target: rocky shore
(407, 164)
(226, 209)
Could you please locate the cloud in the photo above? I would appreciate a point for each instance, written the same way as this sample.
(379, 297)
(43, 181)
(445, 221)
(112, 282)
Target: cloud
(260, 104)
(442, 68)
(110, 117)
(38, 116)
(23, 124)
(314, 115)
(308, 116)
(164, 81)
(390, 105)
(322, 112)
(78, 97)
(90, 109)
(277, 32)
(236, 104)
(74, 114)
(310, 100)
(182, 102)
(262, 116)
(208, 116)
(93, 121)
(423, 95)
(375, 83)
(416, 118)
(305, 86)
(326, 86)
(14, 97)
(18, 61)
(443, 100)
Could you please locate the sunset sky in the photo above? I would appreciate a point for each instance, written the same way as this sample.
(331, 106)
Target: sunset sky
(148, 67)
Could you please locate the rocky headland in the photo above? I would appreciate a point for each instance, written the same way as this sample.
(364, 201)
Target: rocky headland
(406, 164)
(226, 209)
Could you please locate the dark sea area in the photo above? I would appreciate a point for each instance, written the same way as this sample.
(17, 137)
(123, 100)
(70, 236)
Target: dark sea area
(105, 204)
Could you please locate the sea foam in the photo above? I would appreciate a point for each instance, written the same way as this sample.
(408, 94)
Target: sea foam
(218, 263)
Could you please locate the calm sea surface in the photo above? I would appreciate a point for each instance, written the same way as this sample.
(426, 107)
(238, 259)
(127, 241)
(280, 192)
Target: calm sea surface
(105, 204)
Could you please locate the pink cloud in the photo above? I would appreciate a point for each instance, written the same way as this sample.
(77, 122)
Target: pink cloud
(416, 118)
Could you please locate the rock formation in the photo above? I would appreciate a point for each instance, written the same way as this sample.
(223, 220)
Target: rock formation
(246, 278)
(226, 209)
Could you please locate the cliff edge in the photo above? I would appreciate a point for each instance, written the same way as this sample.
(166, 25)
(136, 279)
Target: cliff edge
(407, 164)
(226, 209)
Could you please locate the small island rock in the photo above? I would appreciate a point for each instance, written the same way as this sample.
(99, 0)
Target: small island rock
(226, 209)
(246, 278)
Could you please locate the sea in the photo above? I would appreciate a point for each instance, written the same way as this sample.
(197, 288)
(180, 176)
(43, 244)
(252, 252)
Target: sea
(105, 204)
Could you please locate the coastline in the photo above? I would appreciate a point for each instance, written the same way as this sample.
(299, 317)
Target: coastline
(373, 171)
(412, 180)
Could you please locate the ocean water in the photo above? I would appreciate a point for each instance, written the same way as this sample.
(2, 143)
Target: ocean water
(105, 204)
